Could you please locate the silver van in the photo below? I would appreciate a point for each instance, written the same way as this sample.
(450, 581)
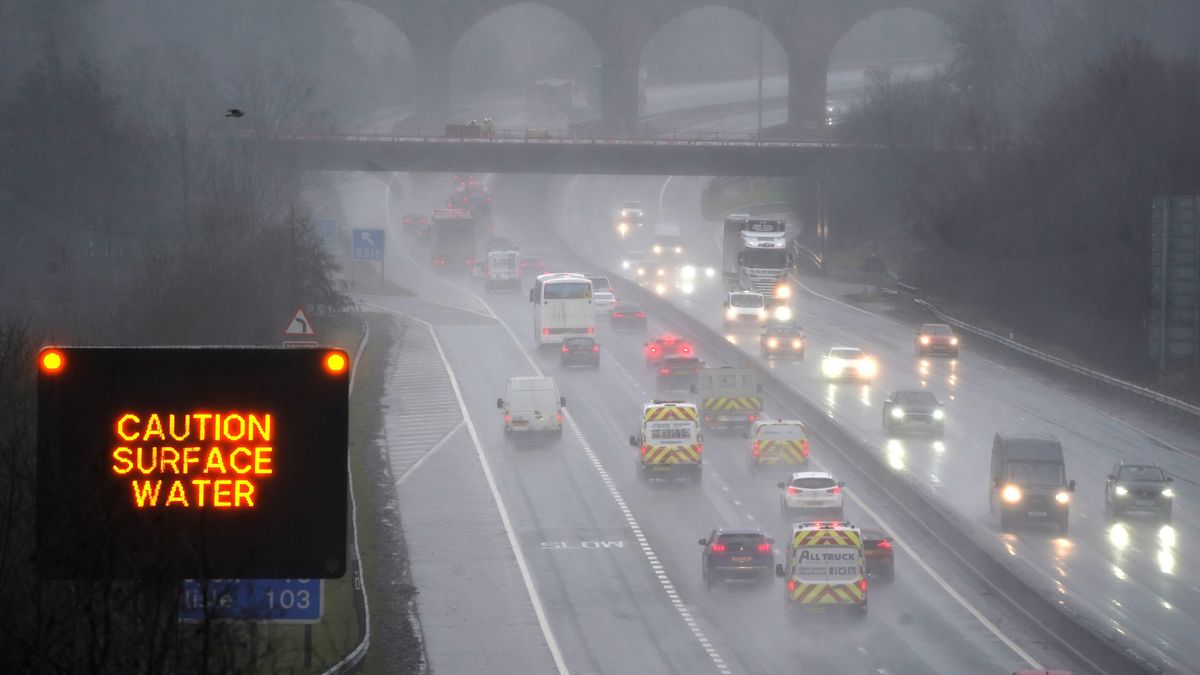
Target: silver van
(532, 406)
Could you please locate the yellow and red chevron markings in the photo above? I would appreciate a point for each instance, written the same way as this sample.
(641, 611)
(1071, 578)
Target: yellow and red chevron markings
(827, 537)
(666, 413)
(782, 452)
(751, 404)
(827, 594)
(671, 454)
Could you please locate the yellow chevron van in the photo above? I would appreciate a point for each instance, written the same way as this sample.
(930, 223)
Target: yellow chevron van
(825, 569)
(669, 442)
(777, 444)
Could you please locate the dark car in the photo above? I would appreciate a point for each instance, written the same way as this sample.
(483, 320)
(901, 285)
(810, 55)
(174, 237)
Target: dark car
(937, 338)
(580, 351)
(881, 558)
(782, 339)
(532, 266)
(627, 317)
(661, 347)
(913, 410)
(678, 372)
(413, 223)
(740, 553)
(1138, 487)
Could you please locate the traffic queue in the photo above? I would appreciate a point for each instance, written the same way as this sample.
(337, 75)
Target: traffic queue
(828, 561)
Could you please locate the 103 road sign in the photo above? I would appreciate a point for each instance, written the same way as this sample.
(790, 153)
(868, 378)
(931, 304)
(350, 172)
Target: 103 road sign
(275, 600)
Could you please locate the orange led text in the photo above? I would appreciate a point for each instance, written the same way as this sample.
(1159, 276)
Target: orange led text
(194, 460)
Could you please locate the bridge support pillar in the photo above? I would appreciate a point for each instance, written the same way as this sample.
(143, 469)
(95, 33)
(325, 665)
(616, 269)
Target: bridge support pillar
(619, 93)
(807, 90)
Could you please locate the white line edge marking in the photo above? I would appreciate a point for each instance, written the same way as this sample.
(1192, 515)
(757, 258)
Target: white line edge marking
(526, 577)
(630, 520)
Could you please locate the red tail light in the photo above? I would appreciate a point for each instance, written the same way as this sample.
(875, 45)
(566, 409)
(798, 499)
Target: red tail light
(566, 348)
(664, 371)
(756, 448)
(793, 490)
(791, 585)
(591, 329)
(643, 449)
(699, 448)
(669, 339)
(618, 315)
(685, 350)
(804, 447)
(507, 418)
(837, 490)
(885, 544)
(862, 584)
(545, 331)
(764, 547)
(639, 315)
(753, 417)
(595, 348)
(559, 417)
(718, 548)
(653, 350)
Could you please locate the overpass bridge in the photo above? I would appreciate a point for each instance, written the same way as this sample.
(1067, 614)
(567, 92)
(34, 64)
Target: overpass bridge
(530, 151)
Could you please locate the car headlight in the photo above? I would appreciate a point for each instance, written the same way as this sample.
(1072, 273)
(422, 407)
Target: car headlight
(866, 367)
(1168, 493)
(678, 250)
(687, 287)
(731, 314)
(657, 249)
(1011, 494)
(688, 272)
(797, 343)
(831, 367)
(898, 413)
(710, 272)
(662, 272)
(623, 229)
(1062, 497)
(783, 291)
(939, 414)
(924, 339)
(783, 313)
(1121, 491)
(660, 289)
(625, 264)
(772, 343)
(953, 341)
(641, 271)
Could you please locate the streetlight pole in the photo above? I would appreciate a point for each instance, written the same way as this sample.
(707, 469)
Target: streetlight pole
(760, 70)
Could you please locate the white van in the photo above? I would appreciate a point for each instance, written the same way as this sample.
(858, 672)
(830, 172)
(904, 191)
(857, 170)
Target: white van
(532, 405)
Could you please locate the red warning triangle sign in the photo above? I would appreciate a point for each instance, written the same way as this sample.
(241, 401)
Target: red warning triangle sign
(300, 325)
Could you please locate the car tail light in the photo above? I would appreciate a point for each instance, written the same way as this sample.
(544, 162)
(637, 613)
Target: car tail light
(836, 489)
(764, 547)
(507, 418)
(753, 417)
(756, 448)
(618, 315)
(708, 418)
(685, 350)
(653, 350)
(664, 371)
(566, 348)
(643, 449)
(669, 339)
(639, 315)
(791, 585)
(804, 447)
(545, 331)
(595, 348)
(699, 448)
(793, 490)
(862, 584)
(559, 417)
(718, 548)
(591, 329)
(885, 544)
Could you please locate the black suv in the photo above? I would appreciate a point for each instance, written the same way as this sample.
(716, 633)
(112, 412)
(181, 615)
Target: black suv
(1138, 487)
(913, 410)
(678, 372)
(881, 557)
(736, 553)
(580, 351)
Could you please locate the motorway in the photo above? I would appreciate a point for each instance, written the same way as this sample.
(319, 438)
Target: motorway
(616, 564)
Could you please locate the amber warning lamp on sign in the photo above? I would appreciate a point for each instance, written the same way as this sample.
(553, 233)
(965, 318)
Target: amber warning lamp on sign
(192, 462)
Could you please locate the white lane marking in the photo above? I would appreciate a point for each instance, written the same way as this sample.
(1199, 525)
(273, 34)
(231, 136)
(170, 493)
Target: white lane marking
(526, 577)
(423, 300)
(426, 455)
(611, 486)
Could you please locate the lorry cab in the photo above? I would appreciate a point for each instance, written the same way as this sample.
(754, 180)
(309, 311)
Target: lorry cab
(1028, 481)
(532, 405)
(667, 241)
(778, 443)
(825, 569)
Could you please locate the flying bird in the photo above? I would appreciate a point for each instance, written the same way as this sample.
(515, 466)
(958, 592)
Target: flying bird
(234, 112)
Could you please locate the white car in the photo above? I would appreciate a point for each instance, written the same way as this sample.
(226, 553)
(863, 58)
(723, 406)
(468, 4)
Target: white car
(745, 308)
(814, 493)
(603, 301)
(848, 363)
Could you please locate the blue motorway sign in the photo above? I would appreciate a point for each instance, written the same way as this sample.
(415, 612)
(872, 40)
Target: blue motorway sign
(278, 600)
(327, 230)
(367, 245)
